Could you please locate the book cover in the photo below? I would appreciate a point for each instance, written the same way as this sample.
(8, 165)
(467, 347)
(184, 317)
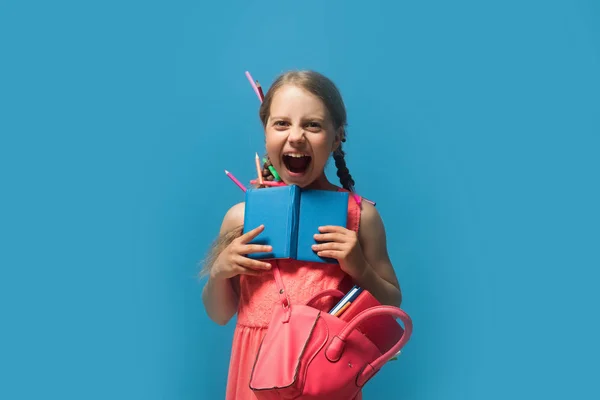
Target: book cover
(277, 209)
(319, 208)
(291, 217)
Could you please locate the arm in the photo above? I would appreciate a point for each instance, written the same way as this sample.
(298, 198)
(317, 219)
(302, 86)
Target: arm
(363, 255)
(219, 297)
(378, 276)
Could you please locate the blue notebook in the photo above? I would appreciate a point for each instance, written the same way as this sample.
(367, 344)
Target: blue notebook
(291, 216)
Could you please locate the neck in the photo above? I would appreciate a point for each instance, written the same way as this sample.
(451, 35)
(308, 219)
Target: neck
(322, 183)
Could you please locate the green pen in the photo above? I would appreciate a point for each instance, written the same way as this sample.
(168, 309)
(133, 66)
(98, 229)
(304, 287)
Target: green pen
(273, 172)
(275, 175)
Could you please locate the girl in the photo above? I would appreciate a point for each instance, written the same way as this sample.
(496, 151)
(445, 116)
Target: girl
(304, 120)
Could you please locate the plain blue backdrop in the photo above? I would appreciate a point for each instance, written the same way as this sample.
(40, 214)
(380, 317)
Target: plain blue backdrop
(473, 124)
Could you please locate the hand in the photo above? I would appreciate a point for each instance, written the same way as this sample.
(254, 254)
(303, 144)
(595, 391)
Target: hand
(343, 245)
(233, 261)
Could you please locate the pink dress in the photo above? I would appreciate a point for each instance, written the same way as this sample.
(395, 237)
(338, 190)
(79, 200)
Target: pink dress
(258, 295)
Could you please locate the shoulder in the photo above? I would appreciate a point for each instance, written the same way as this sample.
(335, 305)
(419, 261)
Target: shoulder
(234, 217)
(369, 215)
(371, 224)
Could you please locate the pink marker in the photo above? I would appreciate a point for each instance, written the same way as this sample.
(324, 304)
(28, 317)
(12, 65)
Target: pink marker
(267, 183)
(369, 201)
(254, 86)
(233, 178)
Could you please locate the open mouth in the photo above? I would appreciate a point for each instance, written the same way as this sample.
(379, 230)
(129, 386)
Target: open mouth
(296, 163)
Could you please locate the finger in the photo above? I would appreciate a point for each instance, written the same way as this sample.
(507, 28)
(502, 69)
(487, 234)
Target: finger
(328, 246)
(255, 248)
(333, 228)
(330, 237)
(329, 254)
(248, 236)
(246, 271)
(253, 264)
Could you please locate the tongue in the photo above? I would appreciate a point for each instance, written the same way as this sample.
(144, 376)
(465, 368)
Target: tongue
(297, 164)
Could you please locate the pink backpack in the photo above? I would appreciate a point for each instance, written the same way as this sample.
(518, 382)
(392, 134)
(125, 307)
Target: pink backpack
(310, 354)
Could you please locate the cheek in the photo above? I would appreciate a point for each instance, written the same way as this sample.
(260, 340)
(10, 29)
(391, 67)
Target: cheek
(273, 149)
(323, 149)
(274, 137)
(270, 142)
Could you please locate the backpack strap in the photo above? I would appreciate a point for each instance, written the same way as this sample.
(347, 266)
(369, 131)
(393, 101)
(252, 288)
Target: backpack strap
(283, 296)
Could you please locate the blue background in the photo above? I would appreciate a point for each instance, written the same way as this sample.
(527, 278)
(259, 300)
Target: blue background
(474, 125)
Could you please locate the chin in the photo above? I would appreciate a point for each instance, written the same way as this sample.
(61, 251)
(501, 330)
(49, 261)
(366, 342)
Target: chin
(298, 182)
(302, 180)
(307, 181)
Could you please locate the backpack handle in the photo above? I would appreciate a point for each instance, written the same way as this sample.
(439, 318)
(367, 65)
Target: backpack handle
(336, 347)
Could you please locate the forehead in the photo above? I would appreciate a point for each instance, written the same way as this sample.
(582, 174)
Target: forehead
(292, 100)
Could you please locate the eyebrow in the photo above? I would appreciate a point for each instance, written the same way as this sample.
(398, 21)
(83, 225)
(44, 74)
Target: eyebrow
(311, 118)
(315, 118)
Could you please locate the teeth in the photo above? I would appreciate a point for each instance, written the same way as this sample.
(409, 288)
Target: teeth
(296, 155)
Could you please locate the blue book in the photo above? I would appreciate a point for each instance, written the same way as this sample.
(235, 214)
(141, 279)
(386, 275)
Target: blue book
(291, 216)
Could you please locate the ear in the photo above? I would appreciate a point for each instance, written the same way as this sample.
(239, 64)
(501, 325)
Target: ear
(338, 139)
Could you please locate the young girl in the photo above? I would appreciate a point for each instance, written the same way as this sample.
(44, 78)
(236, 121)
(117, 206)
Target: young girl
(304, 118)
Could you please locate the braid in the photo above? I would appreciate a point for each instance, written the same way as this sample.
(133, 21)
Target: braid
(266, 173)
(342, 170)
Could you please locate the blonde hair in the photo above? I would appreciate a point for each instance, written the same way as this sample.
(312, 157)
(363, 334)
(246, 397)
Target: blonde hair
(217, 246)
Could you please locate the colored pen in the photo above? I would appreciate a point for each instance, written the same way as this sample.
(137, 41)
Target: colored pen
(341, 310)
(355, 291)
(230, 175)
(267, 183)
(369, 201)
(349, 301)
(365, 199)
(254, 86)
(260, 91)
(258, 170)
(274, 173)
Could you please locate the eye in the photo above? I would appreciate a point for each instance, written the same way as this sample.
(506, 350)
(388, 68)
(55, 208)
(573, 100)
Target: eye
(313, 125)
(280, 123)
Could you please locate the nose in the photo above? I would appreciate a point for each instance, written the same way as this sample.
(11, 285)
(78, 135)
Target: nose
(296, 136)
